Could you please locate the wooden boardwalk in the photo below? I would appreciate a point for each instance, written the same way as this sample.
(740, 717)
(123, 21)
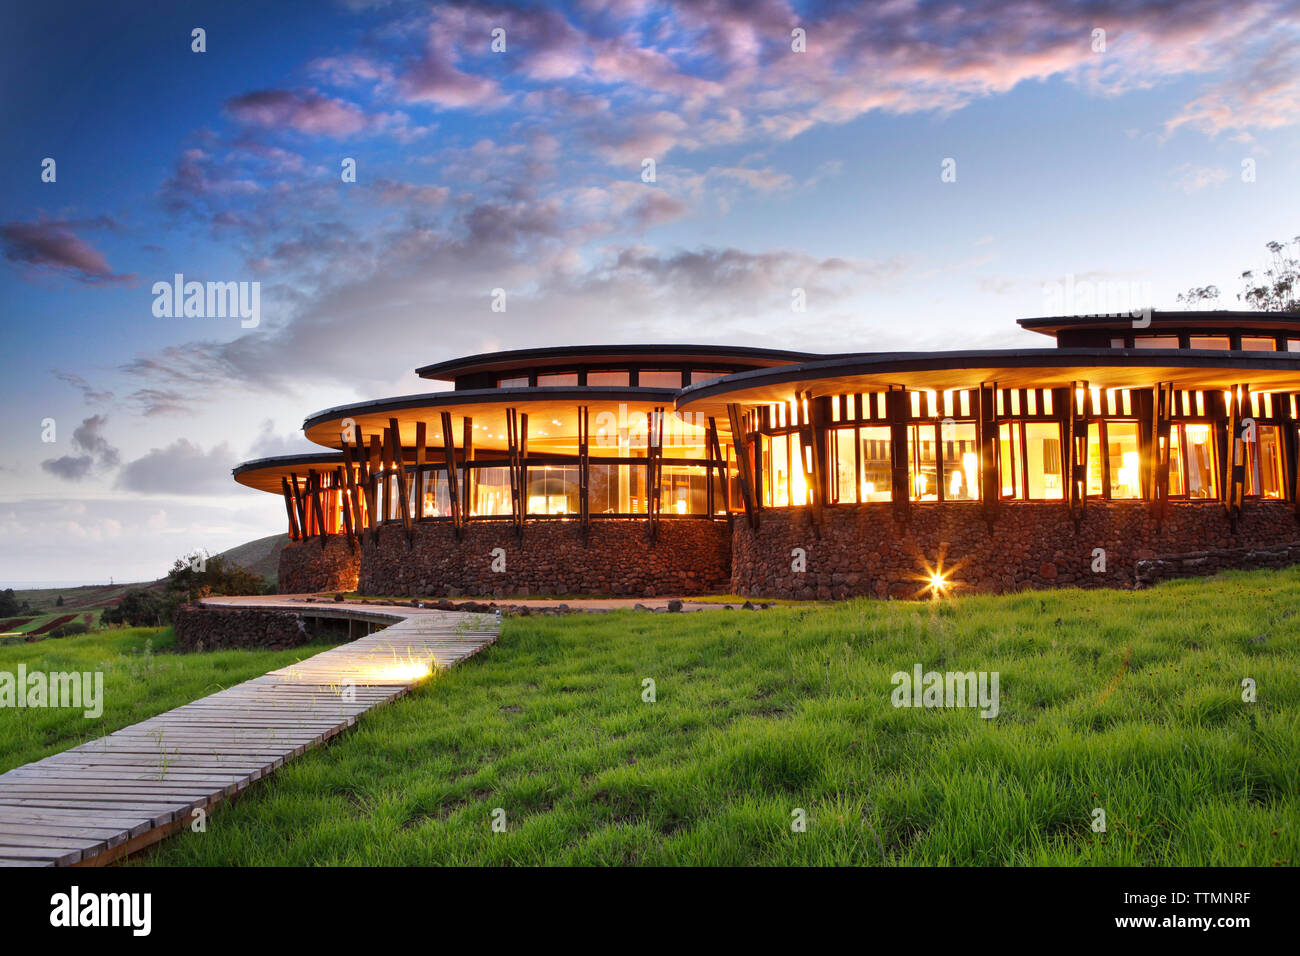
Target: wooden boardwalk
(100, 801)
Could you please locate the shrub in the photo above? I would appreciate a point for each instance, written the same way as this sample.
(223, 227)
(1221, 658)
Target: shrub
(71, 629)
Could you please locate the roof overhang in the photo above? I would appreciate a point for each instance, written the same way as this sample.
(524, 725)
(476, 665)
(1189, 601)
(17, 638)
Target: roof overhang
(709, 356)
(264, 474)
(1028, 368)
(1219, 319)
(552, 413)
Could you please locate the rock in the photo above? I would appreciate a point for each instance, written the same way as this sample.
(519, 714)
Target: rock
(674, 605)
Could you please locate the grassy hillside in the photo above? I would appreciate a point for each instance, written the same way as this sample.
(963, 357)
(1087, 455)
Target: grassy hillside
(84, 603)
(1130, 702)
(142, 677)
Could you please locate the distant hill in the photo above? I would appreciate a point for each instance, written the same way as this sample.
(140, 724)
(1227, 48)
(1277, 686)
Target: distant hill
(262, 556)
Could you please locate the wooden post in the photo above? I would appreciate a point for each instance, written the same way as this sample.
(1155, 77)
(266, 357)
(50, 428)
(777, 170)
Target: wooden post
(743, 465)
(344, 488)
(417, 486)
(1162, 408)
(294, 533)
(1079, 449)
(584, 471)
(466, 456)
(986, 438)
(813, 450)
(453, 486)
(899, 412)
(316, 492)
(352, 500)
(654, 469)
(1238, 411)
(300, 507)
(399, 468)
(719, 463)
(381, 499)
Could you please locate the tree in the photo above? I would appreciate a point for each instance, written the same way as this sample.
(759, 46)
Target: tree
(190, 579)
(8, 603)
(59, 602)
(139, 608)
(1278, 289)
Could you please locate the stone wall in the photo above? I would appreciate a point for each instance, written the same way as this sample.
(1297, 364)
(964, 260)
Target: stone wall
(863, 550)
(689, 557)
(208, 628)
(1197, 563)
(306, 567)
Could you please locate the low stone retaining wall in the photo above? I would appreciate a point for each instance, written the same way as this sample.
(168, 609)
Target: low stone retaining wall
(688, 557)
(1198, 563)
(306, 567)
(203, 627)
(863, 550)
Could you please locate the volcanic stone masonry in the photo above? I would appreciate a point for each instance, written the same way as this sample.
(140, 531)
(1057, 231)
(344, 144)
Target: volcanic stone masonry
(687, 557)
(306, 567)
(203, 626)
(864, 550)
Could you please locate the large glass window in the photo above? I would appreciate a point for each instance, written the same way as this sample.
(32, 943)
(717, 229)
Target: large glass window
(1197, 449)
(653, 378)
(1258, 343)
(1043, 465)
(1125, 459)
(961, 462)
(1155, 342)
(1264, 471)
(553, 489)
(877, 465)
(1095, 483)
(609, 378)
(683, 490)
(490, 491)
(844, 475)
(557, 379)
(923, 463)
(514, 381)
(1217, 343)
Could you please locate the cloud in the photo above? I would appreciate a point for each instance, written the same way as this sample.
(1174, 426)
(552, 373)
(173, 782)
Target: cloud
(90, 395)
(304, 111)
(182, 468)
(52, 245)
(96, 453)
(1191, 177)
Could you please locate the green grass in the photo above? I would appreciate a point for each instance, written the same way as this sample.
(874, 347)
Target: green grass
(142, 677)
(762, 713)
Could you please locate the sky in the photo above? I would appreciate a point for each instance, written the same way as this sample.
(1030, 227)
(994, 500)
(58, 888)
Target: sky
(625, 170)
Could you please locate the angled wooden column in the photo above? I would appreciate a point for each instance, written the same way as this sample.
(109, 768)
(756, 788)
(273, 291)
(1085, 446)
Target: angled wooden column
(453, 483)
(299, 506)
(1290, 446)
(421, 476)
(898, 409)
(399, 469)
(344, 489)
(744, 472)
(315, 492)
(1238, 411)
(1162, 413)
(812, 444)
(584, 470)
(986, 438)
(466, 456)
(718, 463)
(352, 501)
(1078, 408)
(654, 469)
(517, 446)
(382, 500)
(294, 533)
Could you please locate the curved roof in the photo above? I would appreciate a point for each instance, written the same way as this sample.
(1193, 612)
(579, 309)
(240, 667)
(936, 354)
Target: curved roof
(264, 473)
(1163, 320)
(1026, 368)
(552, 413)
(614, 355)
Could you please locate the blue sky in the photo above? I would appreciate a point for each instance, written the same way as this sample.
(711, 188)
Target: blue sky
(522, 169)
